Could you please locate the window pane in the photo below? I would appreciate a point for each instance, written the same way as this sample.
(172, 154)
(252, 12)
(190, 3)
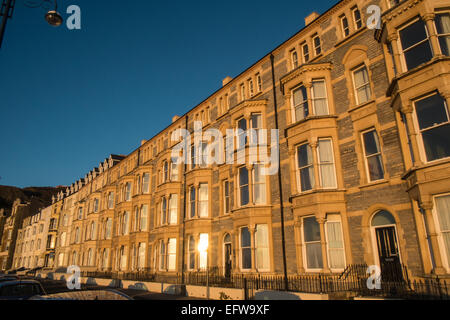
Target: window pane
(375, 166)
(371, 144)
(437, 142)
(243, 183)
(335, 245)
(327, 172)
(413, 34)
(431, 111)
(443, 212)
(418, 55)
(246, 258)
(443, 27)
(311, 229)
(245, 237)
(320, 101)
(314, 256)
(262, 246)
(305, 157)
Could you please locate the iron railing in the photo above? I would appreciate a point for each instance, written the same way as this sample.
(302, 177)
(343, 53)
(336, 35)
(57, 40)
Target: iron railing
(354, 280)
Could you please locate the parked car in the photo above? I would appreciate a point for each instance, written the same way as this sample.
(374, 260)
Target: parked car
(8, 277)
(105, 294)
(20, 289)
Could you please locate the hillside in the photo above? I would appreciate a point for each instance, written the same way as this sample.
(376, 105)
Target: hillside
(43, 195)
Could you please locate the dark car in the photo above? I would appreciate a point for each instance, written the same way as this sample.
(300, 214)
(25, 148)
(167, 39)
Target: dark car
(20, 289)
(4, 278)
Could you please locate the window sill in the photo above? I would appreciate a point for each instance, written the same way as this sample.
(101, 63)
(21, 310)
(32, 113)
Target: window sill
(308, 118)
(374, 183)
(362, 105)
(350, 36)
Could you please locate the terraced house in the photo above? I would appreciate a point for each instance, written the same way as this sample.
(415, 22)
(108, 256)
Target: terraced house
(364, 167)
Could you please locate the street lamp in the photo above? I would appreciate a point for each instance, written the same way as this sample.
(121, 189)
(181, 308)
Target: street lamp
(7, 8)
(203, 249)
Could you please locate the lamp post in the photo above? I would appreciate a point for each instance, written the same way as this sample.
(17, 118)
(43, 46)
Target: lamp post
(6, 11)
(203, 248)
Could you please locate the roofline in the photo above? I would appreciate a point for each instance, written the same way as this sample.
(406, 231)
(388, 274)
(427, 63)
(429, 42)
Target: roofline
(240, 74)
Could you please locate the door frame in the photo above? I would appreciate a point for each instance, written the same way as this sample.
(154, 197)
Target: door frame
(224, 244)
(375, 248)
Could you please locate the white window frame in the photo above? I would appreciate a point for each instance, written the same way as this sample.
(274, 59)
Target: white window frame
(314, 98)
(315, 47)
(366, 158)
(319, 164)
(423, 155)
(442, 248)
(355, 21)
(304, 243)
(345, 30)
(307, 53)
(343, 244)
(367, 84)
(403, 50)
(241, 260)
(298, 175)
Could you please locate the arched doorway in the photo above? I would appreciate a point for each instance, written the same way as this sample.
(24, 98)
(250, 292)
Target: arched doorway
(385, 233)
(227, 255)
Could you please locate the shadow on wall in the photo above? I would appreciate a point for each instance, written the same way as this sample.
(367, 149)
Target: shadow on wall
(275, 295)
(138, 286)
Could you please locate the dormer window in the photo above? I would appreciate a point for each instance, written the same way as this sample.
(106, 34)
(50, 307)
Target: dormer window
(305, 51)
(345, 27)
(317, 45)
(294, 58)
(357, 18)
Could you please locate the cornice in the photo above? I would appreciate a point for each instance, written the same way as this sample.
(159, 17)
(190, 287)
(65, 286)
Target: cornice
(400, 9)
(305, 68)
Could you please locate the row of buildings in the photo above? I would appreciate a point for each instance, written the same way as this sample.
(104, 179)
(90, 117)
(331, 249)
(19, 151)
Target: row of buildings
(363, 158)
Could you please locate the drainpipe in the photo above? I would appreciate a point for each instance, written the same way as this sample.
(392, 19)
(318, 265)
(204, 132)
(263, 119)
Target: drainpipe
(280, 184)
(184, 209)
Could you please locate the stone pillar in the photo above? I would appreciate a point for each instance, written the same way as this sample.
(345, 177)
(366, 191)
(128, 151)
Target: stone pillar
(393, 40)
(408, 110)
(252, 230)
(298, 225)
(429, 21)
(427, 206)
(314, 145)
(323, 244)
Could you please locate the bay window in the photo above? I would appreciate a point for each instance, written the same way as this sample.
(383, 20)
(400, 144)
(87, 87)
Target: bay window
(143, 220)
(172, 254)
(434, 126)
(326, 164)
(305, 167)
(300, 103)
(262, 247)
(203, 255)
(203, 203)
(313, 248)
(319, 97)
(242, 133)
(246, 250)
(442, 211)
(243, 186)
(192, 201)
(442, 22)
(415, 44)
(301, 96)
(163, 210)
(259, 184)
(335, 242)
(191, 250)
(173, 209)
(146, 183)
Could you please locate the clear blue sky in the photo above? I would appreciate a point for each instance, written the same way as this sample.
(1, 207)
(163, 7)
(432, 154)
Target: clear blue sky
(70, 98)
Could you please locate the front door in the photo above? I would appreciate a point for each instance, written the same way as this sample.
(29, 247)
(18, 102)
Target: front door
(228, 260)
(391, 269)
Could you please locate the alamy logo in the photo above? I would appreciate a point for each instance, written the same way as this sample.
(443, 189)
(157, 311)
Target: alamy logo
(374, 281)
(73, 282)
(211, 147)
(374, 20)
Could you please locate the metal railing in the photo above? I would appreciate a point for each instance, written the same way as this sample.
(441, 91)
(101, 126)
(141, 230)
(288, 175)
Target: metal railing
(353, 281)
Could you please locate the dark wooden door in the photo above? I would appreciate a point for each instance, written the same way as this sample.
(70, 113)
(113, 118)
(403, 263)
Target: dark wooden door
(391, 269)
(228, 265)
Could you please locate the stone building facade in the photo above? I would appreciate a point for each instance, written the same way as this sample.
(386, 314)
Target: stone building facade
(364, 177)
